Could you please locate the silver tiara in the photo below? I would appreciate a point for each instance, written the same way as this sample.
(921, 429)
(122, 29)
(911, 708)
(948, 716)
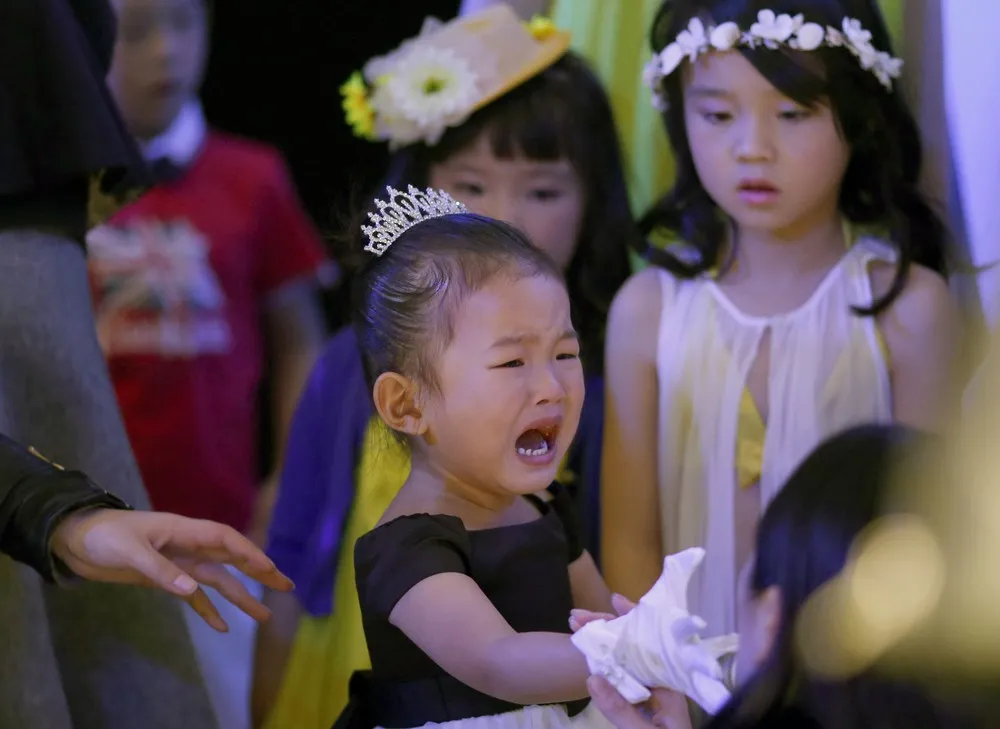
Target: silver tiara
(404, 210)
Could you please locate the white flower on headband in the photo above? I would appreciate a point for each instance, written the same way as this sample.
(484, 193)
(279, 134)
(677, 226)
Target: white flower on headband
(651, 74)
(770, 31)
(809, 37)
(855, 34)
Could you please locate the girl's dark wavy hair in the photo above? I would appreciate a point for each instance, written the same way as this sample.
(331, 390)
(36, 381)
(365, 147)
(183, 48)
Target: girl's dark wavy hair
(880, 186)
(803, 541)
(563, 113)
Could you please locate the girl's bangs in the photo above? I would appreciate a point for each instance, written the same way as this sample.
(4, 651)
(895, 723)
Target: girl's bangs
(799, 75)
(535, 121)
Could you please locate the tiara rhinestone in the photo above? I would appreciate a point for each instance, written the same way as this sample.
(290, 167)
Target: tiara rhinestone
(402, 210)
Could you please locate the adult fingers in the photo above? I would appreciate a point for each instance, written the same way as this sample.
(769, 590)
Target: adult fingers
(210, 541)
(202, 605)
(158, 571)
(231, 588)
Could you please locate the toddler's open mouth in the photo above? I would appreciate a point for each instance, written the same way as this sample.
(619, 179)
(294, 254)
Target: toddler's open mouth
(537, 443)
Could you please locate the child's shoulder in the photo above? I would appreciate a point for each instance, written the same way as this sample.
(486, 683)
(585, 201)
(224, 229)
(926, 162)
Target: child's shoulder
(640, 302)
(924, 294)
(642, 292)
(411, 537)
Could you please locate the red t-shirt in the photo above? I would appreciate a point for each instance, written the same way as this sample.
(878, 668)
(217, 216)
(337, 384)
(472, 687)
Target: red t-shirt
(180, 279)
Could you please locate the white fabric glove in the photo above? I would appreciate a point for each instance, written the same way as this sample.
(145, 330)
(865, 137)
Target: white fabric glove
(657, 644)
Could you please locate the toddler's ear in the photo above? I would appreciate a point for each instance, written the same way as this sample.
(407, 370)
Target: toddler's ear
(395, 399)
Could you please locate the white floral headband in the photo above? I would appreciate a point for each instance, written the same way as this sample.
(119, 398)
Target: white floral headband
(770, 31)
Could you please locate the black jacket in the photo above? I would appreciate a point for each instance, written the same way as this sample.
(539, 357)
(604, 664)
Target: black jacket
(35, 496)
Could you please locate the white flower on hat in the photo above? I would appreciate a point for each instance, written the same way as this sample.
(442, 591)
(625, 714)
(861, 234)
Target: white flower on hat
(429, 90)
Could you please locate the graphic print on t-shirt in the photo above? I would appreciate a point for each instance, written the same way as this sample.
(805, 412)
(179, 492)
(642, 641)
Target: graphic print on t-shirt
(155, 291)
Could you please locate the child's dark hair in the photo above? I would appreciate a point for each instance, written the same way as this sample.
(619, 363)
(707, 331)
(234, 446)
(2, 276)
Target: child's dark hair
(803, 541)
(562, 113)
(880, 186)
(404, 300)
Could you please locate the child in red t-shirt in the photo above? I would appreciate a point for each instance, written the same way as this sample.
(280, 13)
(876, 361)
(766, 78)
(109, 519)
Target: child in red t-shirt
(212, 272)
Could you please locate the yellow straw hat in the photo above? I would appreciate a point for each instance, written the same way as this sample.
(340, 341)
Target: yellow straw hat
(438, 79)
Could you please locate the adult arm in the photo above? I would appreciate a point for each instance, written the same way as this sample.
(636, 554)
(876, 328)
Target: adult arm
(35, 497)
(60, 522)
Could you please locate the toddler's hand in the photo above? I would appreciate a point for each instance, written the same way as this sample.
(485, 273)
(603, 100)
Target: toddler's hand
(579, 618)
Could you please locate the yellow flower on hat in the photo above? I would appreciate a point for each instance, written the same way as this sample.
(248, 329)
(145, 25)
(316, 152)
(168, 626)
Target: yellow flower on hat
(358, 110)
(541, 27)
(354, 86)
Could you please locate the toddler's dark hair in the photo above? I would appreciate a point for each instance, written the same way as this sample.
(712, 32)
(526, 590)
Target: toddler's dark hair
(404, 301)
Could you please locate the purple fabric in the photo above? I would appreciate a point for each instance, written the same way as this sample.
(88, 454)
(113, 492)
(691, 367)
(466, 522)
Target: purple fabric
(317, 484)
(324, 446)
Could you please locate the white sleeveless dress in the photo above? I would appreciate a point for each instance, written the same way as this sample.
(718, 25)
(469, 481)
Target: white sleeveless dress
(827, 373)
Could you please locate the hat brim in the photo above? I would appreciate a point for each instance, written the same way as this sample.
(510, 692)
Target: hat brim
(550, 50)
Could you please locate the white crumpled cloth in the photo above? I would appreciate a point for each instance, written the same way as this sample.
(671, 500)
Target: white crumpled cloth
(658, 643)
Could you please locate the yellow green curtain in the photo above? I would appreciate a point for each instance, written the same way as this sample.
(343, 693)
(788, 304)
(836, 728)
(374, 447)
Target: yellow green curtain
(612, 35)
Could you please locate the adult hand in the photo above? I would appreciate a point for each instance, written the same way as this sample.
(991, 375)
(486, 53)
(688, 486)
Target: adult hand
(167, 551)
(666, 710)
(579, 618)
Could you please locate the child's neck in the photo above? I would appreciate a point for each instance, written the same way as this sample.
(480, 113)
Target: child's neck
(429, 483)
(778, 254)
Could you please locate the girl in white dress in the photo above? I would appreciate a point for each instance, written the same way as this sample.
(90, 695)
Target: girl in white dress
(801, 291)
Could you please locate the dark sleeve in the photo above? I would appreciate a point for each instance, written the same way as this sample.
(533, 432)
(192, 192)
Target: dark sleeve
(35, 496)
(396, 556)
(562, 504)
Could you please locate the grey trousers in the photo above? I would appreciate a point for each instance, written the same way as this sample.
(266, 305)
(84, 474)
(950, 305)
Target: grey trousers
(92, 656)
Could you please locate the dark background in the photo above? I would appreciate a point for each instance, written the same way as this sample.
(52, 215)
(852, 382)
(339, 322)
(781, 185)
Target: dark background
(275, 71)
